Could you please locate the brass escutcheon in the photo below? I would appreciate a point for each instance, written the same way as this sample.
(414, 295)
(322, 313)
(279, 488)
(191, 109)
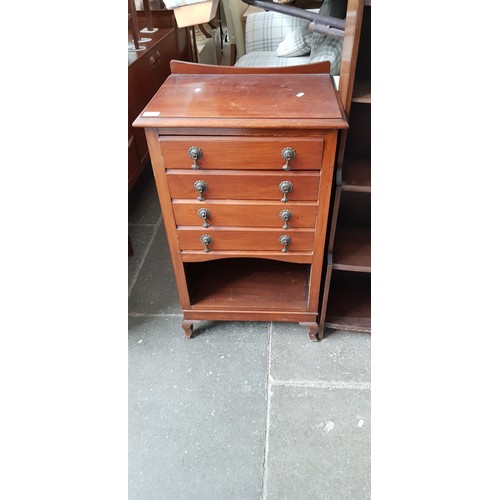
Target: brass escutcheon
(288, 154)
(195, 153)
(285, 215)
(285, 240)
(206, 240)
(201, 187)
(204, 213)
(285, 187)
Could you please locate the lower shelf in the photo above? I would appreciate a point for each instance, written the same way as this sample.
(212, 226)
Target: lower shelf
(349, 308)
(352, 249)
(246, 284)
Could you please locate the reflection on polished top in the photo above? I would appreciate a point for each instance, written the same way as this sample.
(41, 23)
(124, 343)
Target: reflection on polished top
(187, 100)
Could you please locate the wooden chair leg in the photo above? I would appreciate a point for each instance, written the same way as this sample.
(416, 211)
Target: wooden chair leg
(204, 31)
(194, 47)
(232, 54)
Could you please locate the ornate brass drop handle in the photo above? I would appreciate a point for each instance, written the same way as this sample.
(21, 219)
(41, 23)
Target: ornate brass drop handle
(288, 154)
(285, 215)
(200, 186)
(204, 213)
(195, 153)
(206, 240)
(285, 240)
(285, 187)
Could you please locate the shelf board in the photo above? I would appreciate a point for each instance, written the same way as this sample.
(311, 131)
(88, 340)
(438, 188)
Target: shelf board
(349, 308)
(352, 249)
(362, 92)
(248, 284)
(356, 175)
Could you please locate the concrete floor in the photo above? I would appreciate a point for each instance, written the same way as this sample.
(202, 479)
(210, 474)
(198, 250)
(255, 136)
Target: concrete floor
(242, 410)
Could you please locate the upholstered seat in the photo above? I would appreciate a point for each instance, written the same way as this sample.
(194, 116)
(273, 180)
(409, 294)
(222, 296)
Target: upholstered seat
(276, 39)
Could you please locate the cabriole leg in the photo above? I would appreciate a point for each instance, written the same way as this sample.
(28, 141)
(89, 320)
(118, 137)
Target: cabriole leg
(188, 328)
(313, 330)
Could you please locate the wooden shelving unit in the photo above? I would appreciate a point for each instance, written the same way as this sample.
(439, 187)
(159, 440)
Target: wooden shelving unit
(357, 175)
(350, 308)
(352, 250)
(346, 303)
(362, 92)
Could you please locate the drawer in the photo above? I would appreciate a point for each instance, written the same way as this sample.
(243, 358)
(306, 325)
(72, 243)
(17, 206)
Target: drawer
(248, 153)
(241, 185)
(245, 214)
(245, 239)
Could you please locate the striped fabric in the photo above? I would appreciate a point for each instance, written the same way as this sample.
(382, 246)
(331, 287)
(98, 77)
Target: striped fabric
(269, 59)
(174, 4)
(330, 50)
(330, 8)
(266, 30)
(296, 43)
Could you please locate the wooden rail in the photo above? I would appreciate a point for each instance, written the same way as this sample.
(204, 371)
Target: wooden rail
(327, 25)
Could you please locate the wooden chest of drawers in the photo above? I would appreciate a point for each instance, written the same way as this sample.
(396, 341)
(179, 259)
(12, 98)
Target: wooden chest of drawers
(244, 165)
(147, 70)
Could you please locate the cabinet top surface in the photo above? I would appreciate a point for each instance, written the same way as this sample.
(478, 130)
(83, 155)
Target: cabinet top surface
(254, 100)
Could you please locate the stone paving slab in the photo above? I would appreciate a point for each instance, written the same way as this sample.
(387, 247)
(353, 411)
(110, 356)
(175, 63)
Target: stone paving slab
(318, 444)
(339, 357)
(144, 204)
(155, 290)
(140, 236)
(197, 410)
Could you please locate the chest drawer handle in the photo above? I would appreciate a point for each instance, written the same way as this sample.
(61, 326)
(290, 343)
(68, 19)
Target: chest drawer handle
(286, 216)
(288, 154)
(201, 187)
(285, 187)
(195, 153)
(285, 240)
(206, 240)
(204, 213)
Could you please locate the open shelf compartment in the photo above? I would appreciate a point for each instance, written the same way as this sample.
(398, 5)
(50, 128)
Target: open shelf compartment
(356, 175)
(248, 284)
(349, 304)
(352, 249)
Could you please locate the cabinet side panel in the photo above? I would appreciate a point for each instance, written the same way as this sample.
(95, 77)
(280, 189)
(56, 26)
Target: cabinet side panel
(168, 215)
(325, 189)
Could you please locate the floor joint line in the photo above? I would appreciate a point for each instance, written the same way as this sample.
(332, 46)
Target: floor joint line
(268, 412)
(321, 384)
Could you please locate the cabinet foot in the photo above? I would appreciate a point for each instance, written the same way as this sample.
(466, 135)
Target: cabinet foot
(188, 328)
(313, 330)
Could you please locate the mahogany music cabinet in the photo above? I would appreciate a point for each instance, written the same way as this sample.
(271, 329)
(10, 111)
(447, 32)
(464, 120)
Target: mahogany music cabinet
(243, 164)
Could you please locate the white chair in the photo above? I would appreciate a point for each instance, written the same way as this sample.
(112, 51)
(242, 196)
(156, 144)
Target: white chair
(276, 39)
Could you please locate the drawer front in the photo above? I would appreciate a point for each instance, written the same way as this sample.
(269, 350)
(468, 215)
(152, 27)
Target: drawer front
(245, 240)
(247, 153)
(245, 214)
(236, 185)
